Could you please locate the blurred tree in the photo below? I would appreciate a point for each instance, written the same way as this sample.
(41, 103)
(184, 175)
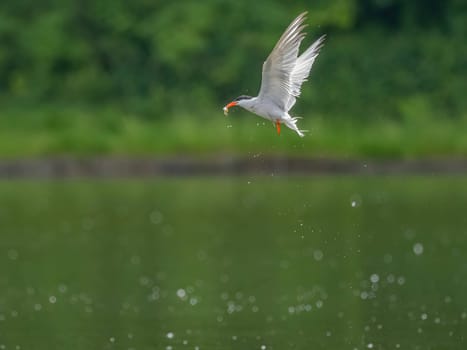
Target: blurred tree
(160, 56)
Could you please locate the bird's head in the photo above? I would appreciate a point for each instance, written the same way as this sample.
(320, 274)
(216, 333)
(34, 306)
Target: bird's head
(239, 101)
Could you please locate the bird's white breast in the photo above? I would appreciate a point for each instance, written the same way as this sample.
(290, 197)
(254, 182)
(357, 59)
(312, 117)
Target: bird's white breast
(268, 110)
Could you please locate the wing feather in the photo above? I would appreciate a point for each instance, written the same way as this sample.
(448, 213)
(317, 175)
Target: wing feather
(284, 71)
(302, 69)
(276, 84)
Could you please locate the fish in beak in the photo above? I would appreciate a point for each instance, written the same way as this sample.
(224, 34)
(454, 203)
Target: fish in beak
(226, 108)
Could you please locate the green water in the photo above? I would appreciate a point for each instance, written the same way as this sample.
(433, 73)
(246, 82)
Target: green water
(236, 263)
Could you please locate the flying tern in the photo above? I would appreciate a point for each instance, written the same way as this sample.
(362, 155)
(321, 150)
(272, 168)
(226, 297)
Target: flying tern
(284, 72)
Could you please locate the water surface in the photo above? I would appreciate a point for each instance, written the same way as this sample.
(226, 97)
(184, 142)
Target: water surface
(234, 263)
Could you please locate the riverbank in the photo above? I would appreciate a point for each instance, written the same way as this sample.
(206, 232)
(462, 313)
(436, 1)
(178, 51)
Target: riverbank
(80, 133)
(121, 167)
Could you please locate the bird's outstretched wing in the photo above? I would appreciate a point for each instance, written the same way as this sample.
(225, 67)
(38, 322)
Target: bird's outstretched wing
(277, 69)
(283, 71)
(301, 71)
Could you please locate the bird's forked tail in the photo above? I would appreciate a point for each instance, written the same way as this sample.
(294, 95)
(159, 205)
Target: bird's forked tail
(291, 123)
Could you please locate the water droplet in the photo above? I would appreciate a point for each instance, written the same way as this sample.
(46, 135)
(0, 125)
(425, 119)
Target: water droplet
(263, 347)
(418, 249)
(374, 278)
(355, 201)
(13, 254)
(409, 234)
(62, 288)
(369, 345)
(181, 293)
(144, 281)
(52, 299)
(112, 339)
(156, 217)
(170, 335)
(318, 255)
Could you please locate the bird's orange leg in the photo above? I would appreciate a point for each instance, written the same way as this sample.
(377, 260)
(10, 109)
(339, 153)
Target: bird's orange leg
(278, 127)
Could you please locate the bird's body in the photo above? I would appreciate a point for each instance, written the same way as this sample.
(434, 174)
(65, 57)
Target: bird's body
(284, 72)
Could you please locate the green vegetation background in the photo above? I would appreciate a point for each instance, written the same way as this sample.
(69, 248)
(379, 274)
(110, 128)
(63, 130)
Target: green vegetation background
(149, 77)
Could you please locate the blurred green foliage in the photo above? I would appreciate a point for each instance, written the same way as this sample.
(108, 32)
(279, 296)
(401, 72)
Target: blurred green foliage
(383, 59)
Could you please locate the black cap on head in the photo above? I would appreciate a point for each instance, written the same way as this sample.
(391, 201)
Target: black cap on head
(242, 97)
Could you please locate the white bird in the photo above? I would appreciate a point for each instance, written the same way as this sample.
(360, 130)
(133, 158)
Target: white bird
(284, 72)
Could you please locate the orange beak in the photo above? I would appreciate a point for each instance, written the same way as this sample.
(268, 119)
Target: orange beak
(231, 104)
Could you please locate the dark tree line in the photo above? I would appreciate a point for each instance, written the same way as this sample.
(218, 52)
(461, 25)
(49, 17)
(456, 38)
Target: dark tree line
(389, 58)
